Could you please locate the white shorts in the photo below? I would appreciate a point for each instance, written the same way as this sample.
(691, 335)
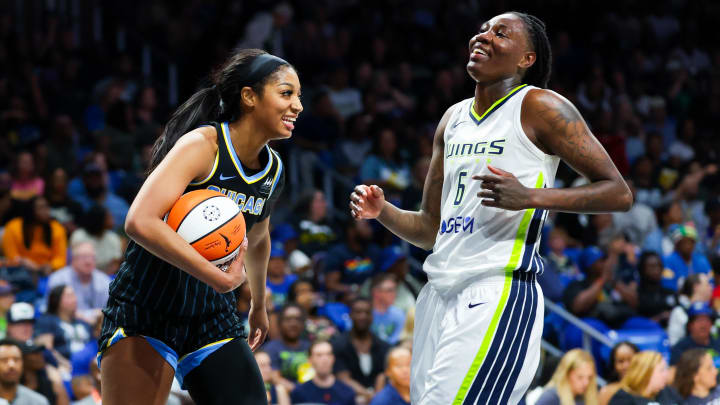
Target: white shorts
(479, 346)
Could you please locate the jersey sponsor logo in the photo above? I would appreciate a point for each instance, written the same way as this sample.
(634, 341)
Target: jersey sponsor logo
(252, 205)
(484, 148)
(457, 225)
(226, 177)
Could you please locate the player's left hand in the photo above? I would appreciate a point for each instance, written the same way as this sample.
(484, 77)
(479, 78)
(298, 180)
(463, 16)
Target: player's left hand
(502, 190)
(259, 325)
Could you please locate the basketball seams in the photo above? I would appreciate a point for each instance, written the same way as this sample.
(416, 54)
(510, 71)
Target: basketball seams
(193, 204)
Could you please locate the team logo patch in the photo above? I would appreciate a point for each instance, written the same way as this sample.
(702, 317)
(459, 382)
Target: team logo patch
(211, 213)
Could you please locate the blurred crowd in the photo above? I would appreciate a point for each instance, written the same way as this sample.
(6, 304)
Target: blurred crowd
(80, 109)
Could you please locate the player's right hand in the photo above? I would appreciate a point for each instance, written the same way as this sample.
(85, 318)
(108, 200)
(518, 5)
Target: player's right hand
(366, 202)
(235, 274)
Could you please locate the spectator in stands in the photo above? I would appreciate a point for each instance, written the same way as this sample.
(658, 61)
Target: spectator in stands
(42, 378)
(7, 298)
(712, 232)
(324, 388)
(574, 381)
(696, 289)
(620, 357)
(278, 279)
(352, 262)
(286, 237)
(62, 208)
(659, 240)
(394, 261)
(69, 333)
(700, 320)
(600, 295)
(388, 320)
(359, 354)
(21, 322)
(289, 354)
(637, 223)
(654, 300)
(645, 378)
(97, 228)
(316, 230)
(11, 366)
(97, 191)
(317, 326)
(684, 260)
(384, 166)
(90, 284)
(84, 391)
(696, 378)
(26, 182)
(397, 370)
(35, 240)
(412, 195)
(276, 393)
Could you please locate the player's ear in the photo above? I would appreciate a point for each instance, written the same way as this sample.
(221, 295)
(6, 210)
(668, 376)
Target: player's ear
(248, 96)
(527, 60)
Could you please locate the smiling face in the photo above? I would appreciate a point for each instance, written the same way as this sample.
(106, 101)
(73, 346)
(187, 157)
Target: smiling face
(500, 50)
(279, 106)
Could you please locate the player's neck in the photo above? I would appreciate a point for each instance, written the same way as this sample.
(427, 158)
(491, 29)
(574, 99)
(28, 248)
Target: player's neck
(247, 145)
(700, 392)
(487, 93)
(403, 391)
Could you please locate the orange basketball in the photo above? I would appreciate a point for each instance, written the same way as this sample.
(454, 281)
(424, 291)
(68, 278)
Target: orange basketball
(211, 222)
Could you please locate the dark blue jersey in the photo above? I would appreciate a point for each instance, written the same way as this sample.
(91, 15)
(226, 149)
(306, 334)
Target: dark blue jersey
(147, 282)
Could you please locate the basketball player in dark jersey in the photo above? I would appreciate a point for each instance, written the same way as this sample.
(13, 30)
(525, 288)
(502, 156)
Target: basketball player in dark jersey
(170, 311)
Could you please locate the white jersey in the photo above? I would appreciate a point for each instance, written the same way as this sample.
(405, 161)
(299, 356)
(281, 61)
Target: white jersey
(475, 240)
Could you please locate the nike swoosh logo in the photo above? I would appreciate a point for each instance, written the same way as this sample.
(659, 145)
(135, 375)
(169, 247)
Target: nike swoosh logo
(474, 305)
(457, 123)
(226, 178)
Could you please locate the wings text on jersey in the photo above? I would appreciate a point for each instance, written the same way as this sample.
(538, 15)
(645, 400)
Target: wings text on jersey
(484, 148)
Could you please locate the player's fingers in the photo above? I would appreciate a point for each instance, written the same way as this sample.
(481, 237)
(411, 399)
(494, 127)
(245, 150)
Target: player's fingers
(491, 178)
(356, 198)
(490, 203)
(376, 191)
(355, 207)
(252, 339)
(361, 189)
(498, 171)
(487, 194)
(488, 185)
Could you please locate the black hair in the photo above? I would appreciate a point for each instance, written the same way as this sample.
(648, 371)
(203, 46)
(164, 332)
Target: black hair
(539, 73)
(11, 342)
(292, 294)
(29, 221)
(54, 297)
(225, 85)
(644, 257)
(281, 315)
(94, 220)
(359, 299)
(688, 286)
(613, 375)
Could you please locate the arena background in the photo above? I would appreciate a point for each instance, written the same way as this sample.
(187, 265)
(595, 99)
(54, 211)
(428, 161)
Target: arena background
(86, 86)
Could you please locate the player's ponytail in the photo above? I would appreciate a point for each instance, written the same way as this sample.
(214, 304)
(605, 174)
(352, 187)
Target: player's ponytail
(220, 100)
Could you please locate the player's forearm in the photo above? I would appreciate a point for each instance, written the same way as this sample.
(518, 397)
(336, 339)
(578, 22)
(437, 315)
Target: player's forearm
(416, 227)
(256, 260)
(597, 197)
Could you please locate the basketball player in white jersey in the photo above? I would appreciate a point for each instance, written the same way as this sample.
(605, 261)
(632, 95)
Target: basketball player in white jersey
(479, 319)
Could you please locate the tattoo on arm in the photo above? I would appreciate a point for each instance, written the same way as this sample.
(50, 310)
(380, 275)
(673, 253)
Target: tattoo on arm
(564, 132)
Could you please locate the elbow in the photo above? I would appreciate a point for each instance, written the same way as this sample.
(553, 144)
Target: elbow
(132, 227)
(626, 201)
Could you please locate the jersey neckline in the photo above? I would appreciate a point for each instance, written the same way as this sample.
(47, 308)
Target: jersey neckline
(478, 119)
(236, 160)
